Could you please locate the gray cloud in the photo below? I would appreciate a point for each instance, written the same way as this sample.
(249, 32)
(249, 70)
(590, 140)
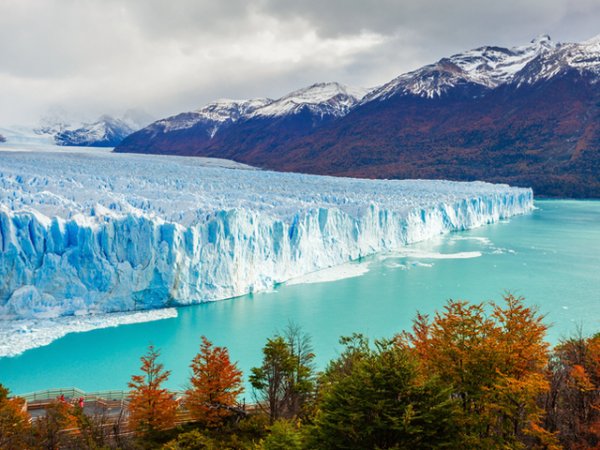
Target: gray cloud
(96, 56)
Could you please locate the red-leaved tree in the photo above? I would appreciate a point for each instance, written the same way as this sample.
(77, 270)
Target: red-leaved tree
(152, 408)
(216, 383)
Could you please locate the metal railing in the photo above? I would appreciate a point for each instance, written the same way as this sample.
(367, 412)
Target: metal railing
(75, 393)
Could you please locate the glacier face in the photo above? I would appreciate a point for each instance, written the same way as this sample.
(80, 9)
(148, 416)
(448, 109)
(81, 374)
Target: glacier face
(85, 233)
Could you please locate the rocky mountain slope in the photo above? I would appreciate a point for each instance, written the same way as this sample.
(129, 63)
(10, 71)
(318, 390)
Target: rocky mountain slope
(528, 115)
(245, 126)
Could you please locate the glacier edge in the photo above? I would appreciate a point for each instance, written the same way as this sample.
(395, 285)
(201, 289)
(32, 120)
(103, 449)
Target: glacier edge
(106, 262)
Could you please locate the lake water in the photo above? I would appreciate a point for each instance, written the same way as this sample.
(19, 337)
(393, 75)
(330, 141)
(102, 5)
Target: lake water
(551, 257)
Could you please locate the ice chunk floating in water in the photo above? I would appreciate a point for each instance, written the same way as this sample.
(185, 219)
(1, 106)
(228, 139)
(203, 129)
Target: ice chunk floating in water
(97, 232)
(17, 336)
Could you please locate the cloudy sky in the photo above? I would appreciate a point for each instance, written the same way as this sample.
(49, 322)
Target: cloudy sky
(88, 57)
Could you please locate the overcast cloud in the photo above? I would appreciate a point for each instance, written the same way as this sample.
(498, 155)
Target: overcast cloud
(104, 56)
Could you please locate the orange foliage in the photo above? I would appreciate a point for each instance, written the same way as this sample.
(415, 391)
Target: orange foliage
(495, 363)
(14, 420)
(151, 407)
(216, 384)
(579, 379)
(574, 402)
(49, 430)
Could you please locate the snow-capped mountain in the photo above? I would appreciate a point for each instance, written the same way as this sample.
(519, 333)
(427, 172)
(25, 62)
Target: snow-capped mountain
(490, 67)
(106, 131)
(485, 67)
(528, 114)
(321, 99)
(583, 58)
(2, 138)
(234, 124)
(212, 116)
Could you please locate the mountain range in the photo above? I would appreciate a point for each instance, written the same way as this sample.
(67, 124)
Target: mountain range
(527, 115)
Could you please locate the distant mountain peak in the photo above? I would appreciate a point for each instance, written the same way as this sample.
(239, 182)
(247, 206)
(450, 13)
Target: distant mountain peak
(321, 99)
(331, 98)
(559, 59)
(541, 38)
(211, 116)
(231, 110)
(489, 67)
(593, 41)
(105, 132)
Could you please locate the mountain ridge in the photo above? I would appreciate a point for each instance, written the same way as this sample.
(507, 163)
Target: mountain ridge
(529, 115)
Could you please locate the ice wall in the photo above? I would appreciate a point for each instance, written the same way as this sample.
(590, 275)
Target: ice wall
(101, 233)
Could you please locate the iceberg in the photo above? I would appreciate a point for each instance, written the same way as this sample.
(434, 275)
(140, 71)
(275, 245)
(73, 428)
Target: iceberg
(87, 232)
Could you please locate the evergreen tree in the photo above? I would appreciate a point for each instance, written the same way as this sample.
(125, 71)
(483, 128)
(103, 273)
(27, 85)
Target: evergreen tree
(379, 401)
(284, 435)
(285, 380)
(269, 381)
(192, 440)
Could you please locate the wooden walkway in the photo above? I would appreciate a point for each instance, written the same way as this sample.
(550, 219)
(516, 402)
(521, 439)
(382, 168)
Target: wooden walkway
(111, 403)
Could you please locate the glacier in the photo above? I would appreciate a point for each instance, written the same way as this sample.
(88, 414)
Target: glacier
(87, 232)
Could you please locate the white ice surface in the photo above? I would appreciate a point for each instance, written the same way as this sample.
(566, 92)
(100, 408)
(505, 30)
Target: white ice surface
(341, 272)
(94, 232)
(18, 336)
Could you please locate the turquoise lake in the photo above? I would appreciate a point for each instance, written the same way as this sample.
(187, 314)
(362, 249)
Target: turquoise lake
(551, 257)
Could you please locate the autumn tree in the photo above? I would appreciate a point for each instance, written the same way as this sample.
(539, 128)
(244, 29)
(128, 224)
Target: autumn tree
(521, 366)
(285, 380)
(216, 383)
(14, 421)
(94, 429)
(49, 431)
(494, 357)
(377, 399)
(573, 402)
(152, 408)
